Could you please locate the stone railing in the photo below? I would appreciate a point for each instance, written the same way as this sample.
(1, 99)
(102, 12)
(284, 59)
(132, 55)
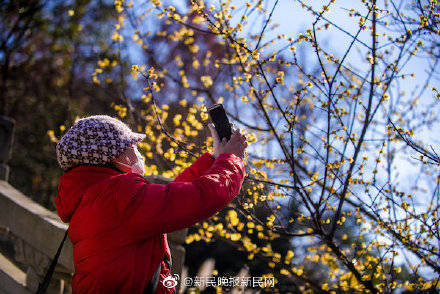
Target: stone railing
(29, 238)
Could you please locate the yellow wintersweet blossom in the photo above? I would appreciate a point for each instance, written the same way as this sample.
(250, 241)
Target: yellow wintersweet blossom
(176, 119)
(207, 81)
(233, 218)
(117, 37)
(170, 154)
(289, 256)
(185, 82)
(104, 63)
(204, 116)
(235, 237)
(52, 137)
(196, 63)
(280, 77)
(118, 6)
(194, 48)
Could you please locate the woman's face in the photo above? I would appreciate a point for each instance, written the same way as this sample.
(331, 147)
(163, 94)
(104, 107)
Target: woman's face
(128, 157)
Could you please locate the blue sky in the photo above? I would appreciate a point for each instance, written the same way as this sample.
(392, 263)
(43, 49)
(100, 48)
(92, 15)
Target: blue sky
(293, 19)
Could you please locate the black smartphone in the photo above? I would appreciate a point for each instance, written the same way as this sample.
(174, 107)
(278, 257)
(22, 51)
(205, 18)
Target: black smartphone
(220, 120)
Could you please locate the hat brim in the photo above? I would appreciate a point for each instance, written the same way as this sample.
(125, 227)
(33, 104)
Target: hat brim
(137, 137)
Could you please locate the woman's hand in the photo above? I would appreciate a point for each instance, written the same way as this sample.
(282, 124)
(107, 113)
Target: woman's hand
(236, 145)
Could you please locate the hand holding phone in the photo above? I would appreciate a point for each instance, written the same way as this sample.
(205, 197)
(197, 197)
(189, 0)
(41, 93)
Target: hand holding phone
(235, 143)
(221, 123)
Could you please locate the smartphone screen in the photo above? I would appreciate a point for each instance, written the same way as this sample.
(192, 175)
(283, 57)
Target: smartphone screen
(220, 121)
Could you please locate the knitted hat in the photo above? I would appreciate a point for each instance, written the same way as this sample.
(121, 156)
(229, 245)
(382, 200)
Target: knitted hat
(95, 140)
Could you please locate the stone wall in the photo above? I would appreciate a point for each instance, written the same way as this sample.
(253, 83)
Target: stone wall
(29, 238)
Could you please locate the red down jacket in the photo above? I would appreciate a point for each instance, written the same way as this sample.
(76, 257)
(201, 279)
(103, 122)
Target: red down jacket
(118, 221)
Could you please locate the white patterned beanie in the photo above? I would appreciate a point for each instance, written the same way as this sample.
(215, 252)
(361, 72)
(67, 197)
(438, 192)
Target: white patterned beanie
(95, 140)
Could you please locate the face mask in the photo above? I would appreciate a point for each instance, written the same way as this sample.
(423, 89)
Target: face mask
(139, 166)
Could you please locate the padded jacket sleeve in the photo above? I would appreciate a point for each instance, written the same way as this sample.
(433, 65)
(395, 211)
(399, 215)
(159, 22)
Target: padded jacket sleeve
(150, 209)
(196, 169)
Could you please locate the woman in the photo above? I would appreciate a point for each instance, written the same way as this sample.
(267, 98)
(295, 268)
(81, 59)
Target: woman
(118, 221)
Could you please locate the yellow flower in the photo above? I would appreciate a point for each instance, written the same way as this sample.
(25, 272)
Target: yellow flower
(194, 48)
(289, 256)
(235, 237)
(116, 37)
(52, 137)
(185, 82)
(256, 55)
(204, 116)
(104, 63)
(233, 218)
(176, 119)
(196, 63)
(207, 81)
(284, 272)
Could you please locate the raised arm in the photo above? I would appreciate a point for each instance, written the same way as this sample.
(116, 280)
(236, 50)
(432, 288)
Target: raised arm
(236, 146)
(151, 209)
(196, 169)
